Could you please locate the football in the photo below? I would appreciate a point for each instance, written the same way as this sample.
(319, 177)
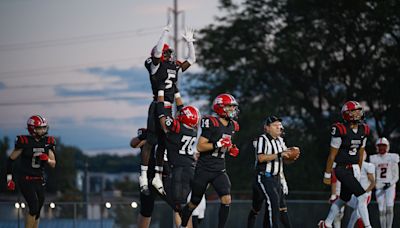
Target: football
(294, 153)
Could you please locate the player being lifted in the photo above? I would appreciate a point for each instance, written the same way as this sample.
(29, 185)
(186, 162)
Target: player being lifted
(35, 151)
(347, 147)
(214, 142)
(387, 175)
(163, 71)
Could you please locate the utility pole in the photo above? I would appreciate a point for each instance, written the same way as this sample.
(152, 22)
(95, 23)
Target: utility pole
(175, 12)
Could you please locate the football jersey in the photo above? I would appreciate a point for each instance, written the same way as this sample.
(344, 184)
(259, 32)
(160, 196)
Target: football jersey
(351, 142)
(384, 167)
(165, 78)
(31, 165)
(180, 141)
(214, 130)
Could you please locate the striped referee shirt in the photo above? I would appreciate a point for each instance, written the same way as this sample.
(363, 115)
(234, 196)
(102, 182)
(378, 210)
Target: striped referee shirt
(268, 145)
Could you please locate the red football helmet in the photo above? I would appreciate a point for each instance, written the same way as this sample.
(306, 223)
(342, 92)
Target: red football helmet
(225, 106)
(382, 145)
(189, 116)
(35, 122)
(166, 52)
(348, 114)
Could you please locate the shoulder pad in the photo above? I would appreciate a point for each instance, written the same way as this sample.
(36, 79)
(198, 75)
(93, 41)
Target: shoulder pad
(236, 125)
(338, 129)
(21, 139)
(395, 157)
(51, 140)
(209, 121)
(366, 129)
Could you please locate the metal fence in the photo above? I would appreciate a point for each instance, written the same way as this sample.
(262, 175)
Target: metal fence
(303, 213)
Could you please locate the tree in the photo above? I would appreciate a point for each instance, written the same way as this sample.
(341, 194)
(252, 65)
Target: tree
(302, 59)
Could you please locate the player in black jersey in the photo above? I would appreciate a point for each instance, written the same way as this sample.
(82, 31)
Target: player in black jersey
(347, 149)
(163, 71)
(214, 142)
(35, 151)
(181, 136)
(147, 200)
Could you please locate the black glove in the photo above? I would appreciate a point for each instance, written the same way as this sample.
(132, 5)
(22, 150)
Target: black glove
(386, 186)
(142, 133)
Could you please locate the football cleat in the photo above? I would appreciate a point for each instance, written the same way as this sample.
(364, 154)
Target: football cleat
(157, 183)
(144, 186)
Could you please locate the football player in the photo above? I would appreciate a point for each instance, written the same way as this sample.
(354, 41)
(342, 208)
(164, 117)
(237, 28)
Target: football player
(367, 181)
(163, 71)
(387, 175)
(35, 150)
(181, 136)
(347, 147)
(215, 141)
(147, 200)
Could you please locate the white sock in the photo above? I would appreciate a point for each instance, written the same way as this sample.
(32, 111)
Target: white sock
(363, 210)
(335, 209)
(389, 217)
(353, 219)
(143, 169)
(382, 218)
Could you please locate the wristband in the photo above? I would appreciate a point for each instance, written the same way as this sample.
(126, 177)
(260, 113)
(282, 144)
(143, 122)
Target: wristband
(9, 177)
(327, 175)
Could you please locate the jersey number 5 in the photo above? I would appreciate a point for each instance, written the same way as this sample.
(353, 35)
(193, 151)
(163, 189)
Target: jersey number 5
(168, 81)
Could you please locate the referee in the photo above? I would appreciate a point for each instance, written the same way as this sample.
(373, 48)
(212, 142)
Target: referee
(270, 149)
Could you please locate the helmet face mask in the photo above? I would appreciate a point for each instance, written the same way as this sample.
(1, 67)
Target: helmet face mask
(167, 53)
(225, 106)
(189, 116)
(37, 126)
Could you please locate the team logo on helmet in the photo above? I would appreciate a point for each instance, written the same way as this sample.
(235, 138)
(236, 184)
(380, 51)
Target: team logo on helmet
(189, 116)
(349, 114)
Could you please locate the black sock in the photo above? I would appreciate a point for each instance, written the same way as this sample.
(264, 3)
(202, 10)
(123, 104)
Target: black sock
(185, 216)
(195, 221)
(223, 215)
(285, 219)
(251, 219)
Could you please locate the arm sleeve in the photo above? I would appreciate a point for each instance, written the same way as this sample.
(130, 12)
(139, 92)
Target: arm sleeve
(192, 55)
(206, 128)
(160, 44)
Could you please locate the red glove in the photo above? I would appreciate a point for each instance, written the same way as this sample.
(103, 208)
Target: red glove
(234, 151)
(44, 157)
(223, 142)
(10, 185)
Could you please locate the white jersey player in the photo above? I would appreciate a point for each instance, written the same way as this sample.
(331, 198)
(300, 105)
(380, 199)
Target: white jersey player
(367, 181)
(387, 174)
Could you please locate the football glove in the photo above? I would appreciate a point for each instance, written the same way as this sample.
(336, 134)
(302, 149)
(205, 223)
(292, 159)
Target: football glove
(188, 35)
(223, 142)
(234, 151)
(44, 157)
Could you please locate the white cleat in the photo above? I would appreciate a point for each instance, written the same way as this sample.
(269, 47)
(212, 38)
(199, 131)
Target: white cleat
(144, 186)
(157, 183)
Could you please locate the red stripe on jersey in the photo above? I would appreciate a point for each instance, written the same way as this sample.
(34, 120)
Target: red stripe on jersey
(366, 129)
(333, 179)
(214, 121)
(178, 126)
(236, 125)
(48, 140)
(342, 128)
(25, 139)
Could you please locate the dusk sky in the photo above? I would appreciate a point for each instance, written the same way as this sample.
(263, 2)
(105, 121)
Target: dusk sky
(80, 65)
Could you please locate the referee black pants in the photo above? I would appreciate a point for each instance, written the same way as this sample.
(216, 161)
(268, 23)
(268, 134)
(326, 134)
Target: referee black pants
(271, 188)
